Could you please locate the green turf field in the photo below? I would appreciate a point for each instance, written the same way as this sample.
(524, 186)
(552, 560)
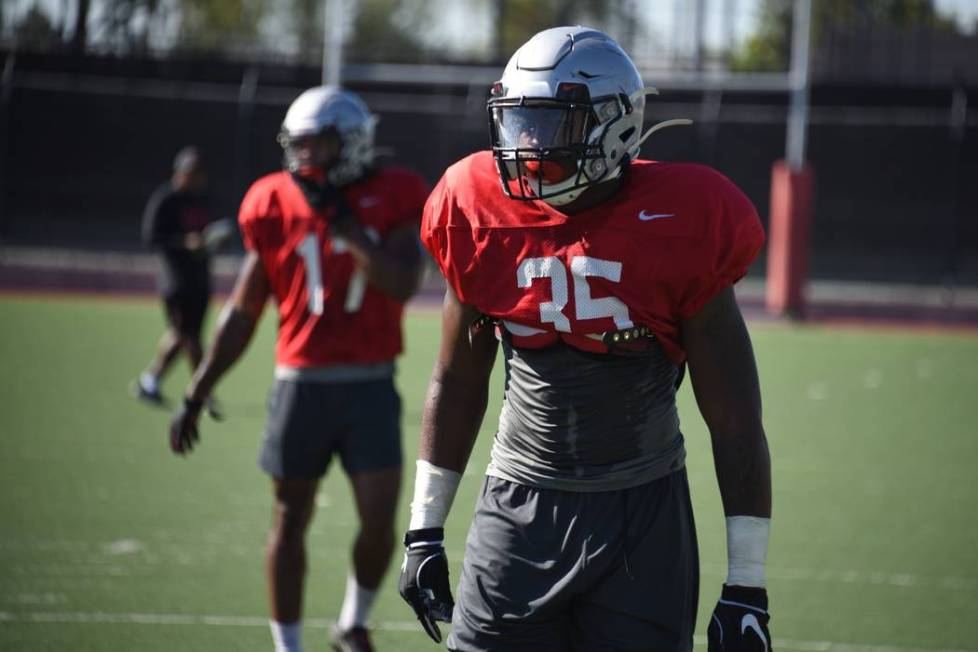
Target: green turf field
(109, 543)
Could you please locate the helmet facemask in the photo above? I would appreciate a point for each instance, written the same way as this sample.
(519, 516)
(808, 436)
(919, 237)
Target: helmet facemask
(552, 148)
(310, 155)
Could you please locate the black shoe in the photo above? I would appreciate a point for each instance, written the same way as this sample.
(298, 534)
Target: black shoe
(137, 390)
(356, 639)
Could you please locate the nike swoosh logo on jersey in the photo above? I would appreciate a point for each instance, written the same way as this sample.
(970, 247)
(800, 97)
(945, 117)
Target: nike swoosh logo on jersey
(750, 622)
(648, 217)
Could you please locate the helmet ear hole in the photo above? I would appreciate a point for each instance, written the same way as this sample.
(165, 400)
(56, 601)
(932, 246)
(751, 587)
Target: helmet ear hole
(626, 103)
(626, 135)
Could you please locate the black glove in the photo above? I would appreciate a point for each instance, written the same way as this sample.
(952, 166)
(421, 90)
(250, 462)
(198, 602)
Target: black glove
(739, 622)
(183, 427)
(424, 579)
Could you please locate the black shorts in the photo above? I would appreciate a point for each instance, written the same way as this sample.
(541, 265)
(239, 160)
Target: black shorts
(548, 570)
(309, 422)
(186, 309)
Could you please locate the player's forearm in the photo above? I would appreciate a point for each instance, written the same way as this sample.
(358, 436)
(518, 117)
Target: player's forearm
(395, 273)
(725, 381)
(396, 278)
(743, 468)
(234, 332)
(453, 412)
(452, 416)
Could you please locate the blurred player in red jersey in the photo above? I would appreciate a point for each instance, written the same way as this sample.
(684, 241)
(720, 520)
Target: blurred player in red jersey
(603, 276)
(334, 240)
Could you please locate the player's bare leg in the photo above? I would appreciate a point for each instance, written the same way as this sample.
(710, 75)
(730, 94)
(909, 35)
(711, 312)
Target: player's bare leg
(147, 386)
(195, 351)
(375, 494)
(166, 352)
(285, 555)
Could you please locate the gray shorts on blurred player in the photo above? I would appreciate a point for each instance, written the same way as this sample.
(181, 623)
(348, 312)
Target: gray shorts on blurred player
(309, 421)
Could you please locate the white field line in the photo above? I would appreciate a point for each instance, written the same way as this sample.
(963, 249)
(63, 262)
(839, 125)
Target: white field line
(833, 576)
(107, 566)
(131, 557)
(102, 618)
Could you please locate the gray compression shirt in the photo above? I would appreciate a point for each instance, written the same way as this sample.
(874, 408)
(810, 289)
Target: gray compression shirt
(579, 421)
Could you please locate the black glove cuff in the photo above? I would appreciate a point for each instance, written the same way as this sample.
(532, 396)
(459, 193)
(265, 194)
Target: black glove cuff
(192, 405)
(749, 595)
(432, 534)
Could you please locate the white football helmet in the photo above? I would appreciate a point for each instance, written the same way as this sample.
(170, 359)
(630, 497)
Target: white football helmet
(566, 114)
(325, 108)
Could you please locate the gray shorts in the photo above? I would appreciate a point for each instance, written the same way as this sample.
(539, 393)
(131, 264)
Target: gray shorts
(309, 422)
(548, 570)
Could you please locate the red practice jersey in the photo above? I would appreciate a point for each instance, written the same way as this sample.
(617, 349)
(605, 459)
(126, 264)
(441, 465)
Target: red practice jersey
(671, 238)
(328, 314)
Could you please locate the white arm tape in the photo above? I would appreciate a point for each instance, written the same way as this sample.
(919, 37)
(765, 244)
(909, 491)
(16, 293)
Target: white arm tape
(434, 491)
(747, 538)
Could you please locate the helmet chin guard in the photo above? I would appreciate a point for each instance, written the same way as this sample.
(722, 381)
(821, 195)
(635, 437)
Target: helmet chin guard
(566, 115)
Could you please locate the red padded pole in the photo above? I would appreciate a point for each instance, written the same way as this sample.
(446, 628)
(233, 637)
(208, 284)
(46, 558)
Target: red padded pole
(788, 240)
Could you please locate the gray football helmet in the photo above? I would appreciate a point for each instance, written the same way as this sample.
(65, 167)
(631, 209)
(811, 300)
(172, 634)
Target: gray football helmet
(325, 108)
(566, 114)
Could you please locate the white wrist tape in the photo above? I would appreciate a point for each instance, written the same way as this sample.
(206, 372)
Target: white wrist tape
(747, 550)
(434, 491)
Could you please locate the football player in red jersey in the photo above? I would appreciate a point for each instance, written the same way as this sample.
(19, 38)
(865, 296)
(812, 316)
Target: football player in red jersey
(334, 240)
(603, 277)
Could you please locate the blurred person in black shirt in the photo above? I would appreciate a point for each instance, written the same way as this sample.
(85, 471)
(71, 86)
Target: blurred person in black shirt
(179, 222)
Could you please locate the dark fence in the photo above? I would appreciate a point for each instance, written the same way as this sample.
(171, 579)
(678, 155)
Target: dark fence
(862, 51)
(83, 143)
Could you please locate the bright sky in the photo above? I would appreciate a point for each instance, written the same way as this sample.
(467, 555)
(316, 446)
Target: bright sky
(965, 10)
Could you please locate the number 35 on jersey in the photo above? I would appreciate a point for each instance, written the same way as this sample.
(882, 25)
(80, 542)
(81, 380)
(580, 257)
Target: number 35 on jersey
(563, 281)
